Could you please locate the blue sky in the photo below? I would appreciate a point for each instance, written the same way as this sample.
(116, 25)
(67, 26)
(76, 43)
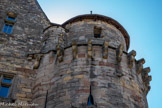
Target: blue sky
(141, 18)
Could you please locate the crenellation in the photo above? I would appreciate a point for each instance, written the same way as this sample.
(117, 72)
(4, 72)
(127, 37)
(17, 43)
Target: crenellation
(149, 78)
(140, 65)
(147, 69)
(142, 60)
(145, 73)
(148, 89)
(131, 58)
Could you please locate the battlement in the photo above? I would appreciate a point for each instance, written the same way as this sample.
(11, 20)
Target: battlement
(97, 63)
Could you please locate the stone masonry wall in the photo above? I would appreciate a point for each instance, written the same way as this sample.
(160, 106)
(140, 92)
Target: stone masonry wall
(60, 66)
(43, 81)
(84, 30)
(52, 37)
(23, 78)
(27, 30)
(72, 80)
(25, 39)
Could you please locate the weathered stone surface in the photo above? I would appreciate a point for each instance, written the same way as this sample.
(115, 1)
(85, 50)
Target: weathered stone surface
(21, 95)
(60, 66)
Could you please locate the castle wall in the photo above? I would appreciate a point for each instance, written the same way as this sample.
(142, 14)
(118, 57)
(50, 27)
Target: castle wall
(27, 29)
(26, 38)
(23, 78)
(43, 81)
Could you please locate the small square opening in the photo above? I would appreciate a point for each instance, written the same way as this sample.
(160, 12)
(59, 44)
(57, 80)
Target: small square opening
(97, 32)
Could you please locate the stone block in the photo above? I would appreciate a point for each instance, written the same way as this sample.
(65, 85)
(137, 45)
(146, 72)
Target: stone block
(67, 78)
(26, 90)
(78, 76)
(21, 95)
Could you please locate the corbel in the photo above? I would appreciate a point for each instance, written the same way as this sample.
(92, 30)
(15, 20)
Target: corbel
(148, 89)
(61, 39)
(30, 57)
(147, 83)
(105, 50)
(37, 58)
(131, 58)
(145, 72)
(89, 49)
(140, 65)
(74, 49)
(149, 78)
(59, 53)
(119, 52)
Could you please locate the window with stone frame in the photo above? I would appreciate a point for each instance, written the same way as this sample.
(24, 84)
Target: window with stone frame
(97, 32)
(9, 23)
(11, 18)
(6, 82)
(7, 28)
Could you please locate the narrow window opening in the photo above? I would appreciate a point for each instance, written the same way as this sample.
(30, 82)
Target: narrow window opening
(7, 28)
(4, 91)
(90, 99)
(97, 32)
(5, 85)
(9, 22)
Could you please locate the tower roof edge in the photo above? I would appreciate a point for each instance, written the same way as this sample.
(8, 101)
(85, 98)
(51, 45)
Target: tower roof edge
(102, 18)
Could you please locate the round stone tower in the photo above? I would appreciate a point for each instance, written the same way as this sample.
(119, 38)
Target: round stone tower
(85, 64)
